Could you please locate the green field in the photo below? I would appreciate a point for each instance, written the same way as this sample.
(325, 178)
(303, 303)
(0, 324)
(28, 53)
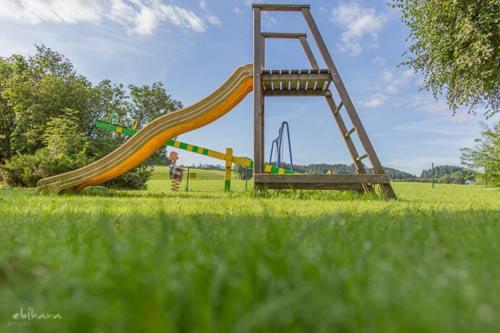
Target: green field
(209, 261)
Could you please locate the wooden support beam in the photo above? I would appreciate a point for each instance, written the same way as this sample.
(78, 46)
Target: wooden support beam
(321, 179)
(285, 35)
(308, 51)
(339, 85)
(348, 134)
(299, 186)
(280, 7)
(284, 93)
(360, 169)
(258, 97)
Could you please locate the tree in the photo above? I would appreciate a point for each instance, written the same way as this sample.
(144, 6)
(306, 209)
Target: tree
(150, 102)
(484, 158)
(65, 148)
(33, 90)
(448, 174)
(47, 110)
(455, 45)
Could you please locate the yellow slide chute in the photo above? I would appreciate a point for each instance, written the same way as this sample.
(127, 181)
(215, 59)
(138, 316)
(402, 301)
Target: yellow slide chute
(154, 135)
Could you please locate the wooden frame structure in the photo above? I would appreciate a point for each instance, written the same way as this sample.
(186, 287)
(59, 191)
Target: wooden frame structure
(309, 82)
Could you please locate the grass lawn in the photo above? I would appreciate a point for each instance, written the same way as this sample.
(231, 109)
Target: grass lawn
(209, 261)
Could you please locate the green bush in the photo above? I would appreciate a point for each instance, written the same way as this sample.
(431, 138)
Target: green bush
(28, 169)
(66, 148)
(133, 179)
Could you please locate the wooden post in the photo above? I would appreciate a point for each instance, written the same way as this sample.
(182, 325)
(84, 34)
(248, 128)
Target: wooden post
(308, 51)
(258, 98)
(229, 164)
(339, 85)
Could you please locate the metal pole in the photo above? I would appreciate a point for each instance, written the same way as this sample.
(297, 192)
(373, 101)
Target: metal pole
(187, 181)
(433, 176)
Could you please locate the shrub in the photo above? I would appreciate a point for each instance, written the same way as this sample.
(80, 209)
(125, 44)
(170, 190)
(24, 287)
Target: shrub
(133, 179)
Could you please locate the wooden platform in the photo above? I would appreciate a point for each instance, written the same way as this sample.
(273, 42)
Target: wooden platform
(295, 82)
(318, 182)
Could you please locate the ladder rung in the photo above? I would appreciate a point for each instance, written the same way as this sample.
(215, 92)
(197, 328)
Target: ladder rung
(362, 157)
(348, 134)
(341, 104)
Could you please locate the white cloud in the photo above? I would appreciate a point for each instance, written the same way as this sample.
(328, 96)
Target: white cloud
(357, 22)
(396, 82)
(378, 61)
(392, 83)
(375, 101)
(268, 20)
(36, 11)
(237, 10)
(214, 20)
(203, 5)
(140, 17)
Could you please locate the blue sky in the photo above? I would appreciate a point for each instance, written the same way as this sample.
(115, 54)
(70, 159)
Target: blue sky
(193, 46)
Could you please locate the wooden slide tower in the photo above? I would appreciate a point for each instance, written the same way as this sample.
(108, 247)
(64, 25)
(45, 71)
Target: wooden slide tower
(310, 82)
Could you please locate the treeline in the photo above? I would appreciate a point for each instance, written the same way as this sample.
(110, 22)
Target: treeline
(448, 174)
(348, 169)
(48, 111)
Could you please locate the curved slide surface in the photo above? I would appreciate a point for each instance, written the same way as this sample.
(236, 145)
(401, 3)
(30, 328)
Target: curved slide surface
(154, 135)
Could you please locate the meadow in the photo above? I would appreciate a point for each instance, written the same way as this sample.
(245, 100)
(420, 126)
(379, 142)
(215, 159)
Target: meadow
(291, 261)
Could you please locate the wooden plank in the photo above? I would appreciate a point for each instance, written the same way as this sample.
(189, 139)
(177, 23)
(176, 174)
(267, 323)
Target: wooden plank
(285, 35)
(279, 7)
(276, 81)
(258, 97)
(321, 179)
(277, 93)
(273, 186)
(303, 75)
(309, 53)
(339, 85)
(294, 83)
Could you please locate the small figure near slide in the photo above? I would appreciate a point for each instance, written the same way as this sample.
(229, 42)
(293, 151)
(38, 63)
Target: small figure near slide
(176, 172)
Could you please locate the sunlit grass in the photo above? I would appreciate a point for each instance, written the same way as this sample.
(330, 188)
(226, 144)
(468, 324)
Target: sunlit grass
(210, 261)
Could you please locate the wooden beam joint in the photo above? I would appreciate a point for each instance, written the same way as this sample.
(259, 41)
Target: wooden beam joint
(285, 35)
(337, 110)
(362, 157)
(280, 7)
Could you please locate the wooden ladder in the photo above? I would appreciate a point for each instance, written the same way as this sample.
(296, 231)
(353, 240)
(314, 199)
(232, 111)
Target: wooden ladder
(313, 82)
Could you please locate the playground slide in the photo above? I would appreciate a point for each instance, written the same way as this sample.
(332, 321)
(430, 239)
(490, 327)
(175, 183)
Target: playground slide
(154, 135)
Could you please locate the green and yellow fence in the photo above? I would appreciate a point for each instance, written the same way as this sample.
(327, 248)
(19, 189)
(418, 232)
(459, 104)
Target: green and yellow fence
(228, 157)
